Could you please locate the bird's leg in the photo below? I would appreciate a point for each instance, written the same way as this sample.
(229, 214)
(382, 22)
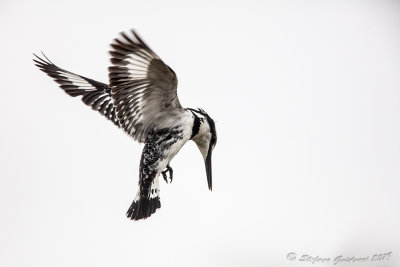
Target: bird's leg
(171, 174)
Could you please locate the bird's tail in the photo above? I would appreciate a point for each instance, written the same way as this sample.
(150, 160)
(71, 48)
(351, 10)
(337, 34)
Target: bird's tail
(143, 207)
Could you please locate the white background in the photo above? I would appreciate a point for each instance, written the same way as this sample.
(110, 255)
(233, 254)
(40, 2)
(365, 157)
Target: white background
(306, 99)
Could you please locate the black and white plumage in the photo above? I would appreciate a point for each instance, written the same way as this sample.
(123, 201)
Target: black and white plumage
(141, 98)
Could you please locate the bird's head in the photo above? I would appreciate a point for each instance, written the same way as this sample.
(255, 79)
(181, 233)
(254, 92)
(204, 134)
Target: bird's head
(205, 139)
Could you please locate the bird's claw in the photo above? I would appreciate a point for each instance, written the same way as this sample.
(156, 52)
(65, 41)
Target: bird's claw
(171, 174)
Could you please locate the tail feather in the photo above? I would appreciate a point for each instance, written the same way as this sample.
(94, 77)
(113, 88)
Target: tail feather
(143, 207)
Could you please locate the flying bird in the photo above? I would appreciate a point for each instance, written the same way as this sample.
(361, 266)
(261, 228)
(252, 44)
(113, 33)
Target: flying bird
(141, 99)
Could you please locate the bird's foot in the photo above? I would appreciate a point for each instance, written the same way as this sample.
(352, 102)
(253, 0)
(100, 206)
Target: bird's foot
(171, 174)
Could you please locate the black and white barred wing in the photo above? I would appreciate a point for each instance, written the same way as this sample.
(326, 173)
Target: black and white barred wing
(144, 89)
(94, 94)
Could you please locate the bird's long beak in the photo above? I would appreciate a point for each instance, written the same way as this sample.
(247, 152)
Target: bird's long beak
(208, 170)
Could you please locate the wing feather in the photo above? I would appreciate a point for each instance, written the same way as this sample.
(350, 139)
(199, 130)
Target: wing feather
(94, 94)
(144, 88)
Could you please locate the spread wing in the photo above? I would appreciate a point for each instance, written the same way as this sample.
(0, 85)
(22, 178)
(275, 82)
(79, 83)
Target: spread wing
(144, 88)
(94, 94)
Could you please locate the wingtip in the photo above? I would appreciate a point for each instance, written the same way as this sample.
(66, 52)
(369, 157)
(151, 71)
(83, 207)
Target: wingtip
(42, 61)
(35, 57)
(133, 30)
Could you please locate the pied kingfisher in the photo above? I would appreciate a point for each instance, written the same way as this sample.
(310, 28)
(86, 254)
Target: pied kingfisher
(142, 100)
